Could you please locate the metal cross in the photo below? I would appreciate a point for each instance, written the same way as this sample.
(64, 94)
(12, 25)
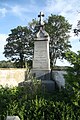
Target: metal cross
(41, 15)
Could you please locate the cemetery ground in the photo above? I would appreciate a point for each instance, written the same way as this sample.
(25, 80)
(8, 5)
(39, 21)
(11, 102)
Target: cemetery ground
(29, 102)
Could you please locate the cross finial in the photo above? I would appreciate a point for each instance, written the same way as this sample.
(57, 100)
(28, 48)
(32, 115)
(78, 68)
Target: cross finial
(41, 15)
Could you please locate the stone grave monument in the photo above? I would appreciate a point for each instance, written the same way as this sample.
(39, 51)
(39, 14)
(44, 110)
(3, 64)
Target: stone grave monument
(41, 61)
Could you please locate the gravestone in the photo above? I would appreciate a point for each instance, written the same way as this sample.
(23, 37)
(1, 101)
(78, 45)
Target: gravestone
(41, 61)
(12, 118)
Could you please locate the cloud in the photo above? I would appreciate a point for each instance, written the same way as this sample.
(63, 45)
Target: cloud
(27, 8)
(54, 6)
(3, 12)
(21, 10)
(18, 10)
(62, 62)
(2, 43)
(75, 44)
(15, 9)
(3, 37)
(69, 9)
(59, 6)
(66, 8)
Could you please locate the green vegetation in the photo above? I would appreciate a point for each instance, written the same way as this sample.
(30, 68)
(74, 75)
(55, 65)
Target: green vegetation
(73, 77)
(39, 106)
(7, 64)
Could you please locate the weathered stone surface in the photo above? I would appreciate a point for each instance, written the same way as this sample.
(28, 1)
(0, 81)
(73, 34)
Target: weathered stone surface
(41, 60)
(59, 78)
(12, 118)
(41, 74)
(48, 85)
(41, 55)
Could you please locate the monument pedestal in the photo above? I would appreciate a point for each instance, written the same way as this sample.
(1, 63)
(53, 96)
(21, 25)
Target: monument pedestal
(41, 74)
(48, 85)
(41, 61)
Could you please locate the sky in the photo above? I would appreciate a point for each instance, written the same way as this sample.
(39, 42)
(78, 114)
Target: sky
(14, 13)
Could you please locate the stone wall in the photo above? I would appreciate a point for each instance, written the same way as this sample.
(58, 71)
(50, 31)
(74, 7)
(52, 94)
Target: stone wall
(11, 76)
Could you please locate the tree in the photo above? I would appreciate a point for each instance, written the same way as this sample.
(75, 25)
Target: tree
(58, 29)
(19, 46)
(74, 59)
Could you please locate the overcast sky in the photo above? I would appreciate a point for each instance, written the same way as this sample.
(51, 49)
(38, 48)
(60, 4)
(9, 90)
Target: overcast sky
(20, 12)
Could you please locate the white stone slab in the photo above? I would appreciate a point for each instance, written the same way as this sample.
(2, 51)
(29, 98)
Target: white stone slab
(12, 118)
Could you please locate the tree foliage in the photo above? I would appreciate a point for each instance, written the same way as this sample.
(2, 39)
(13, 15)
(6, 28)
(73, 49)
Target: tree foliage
(19, 45)
(73, 77)
(6, 64)
(58, 28)
(77, 29)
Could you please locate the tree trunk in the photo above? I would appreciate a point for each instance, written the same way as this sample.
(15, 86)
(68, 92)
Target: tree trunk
(21, 60)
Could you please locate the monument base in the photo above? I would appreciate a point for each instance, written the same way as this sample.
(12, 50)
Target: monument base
(48, 85)
(41, 74)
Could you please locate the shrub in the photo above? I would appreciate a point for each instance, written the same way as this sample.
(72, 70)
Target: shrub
(56, 106)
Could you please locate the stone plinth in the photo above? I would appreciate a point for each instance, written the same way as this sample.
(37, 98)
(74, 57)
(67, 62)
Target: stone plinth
(41, 74)
(48, 86)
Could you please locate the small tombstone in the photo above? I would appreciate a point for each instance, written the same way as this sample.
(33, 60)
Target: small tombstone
(12, 118)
